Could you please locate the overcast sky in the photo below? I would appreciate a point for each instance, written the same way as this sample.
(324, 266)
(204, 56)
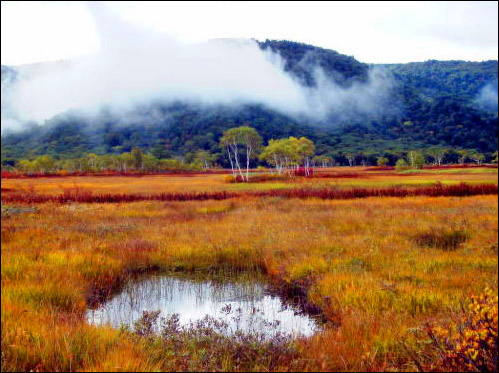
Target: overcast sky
(373, 32)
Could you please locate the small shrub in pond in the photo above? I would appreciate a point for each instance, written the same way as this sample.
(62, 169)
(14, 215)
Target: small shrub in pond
(214, 344)
(145, 326)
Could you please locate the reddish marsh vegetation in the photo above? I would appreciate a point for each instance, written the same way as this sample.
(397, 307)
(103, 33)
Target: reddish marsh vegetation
(86, 196)
(59, 174)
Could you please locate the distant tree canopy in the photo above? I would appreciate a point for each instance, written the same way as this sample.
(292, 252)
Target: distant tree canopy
(92, 163)
(285, 154)
(244, 137)
(299, 58)
(245, 150)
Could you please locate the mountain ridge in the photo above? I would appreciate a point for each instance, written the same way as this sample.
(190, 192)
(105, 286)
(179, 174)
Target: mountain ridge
(438, 104)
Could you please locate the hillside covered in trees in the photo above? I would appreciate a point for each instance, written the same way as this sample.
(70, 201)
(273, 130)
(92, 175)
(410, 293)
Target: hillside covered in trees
(451, 104)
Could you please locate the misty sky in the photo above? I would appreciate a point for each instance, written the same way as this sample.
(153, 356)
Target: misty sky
(370, 31)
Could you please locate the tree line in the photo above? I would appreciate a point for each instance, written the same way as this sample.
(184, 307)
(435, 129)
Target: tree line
(243, 147)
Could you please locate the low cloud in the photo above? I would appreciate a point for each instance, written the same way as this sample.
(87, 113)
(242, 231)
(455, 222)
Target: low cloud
(328, 99)
(488, 97)
(135, 66)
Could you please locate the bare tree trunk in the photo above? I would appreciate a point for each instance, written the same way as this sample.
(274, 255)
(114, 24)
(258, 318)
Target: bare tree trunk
(230, 159)
(248, 155)
(287, 166)
(236, 158)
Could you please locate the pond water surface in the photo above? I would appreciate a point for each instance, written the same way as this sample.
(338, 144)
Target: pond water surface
(247, 306)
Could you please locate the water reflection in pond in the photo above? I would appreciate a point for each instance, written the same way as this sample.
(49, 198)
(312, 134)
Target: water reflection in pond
(252, 307)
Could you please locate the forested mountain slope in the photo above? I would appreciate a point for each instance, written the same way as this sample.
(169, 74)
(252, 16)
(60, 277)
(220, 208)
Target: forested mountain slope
(434, 103)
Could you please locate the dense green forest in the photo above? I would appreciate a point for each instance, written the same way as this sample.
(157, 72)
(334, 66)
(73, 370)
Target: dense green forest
(451, 105)
(243, 147)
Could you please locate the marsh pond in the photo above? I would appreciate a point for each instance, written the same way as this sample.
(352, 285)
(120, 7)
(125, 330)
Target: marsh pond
(247, 306)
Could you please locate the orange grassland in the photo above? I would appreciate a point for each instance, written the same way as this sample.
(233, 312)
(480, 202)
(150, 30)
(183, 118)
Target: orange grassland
(150, 184)
(380, 269)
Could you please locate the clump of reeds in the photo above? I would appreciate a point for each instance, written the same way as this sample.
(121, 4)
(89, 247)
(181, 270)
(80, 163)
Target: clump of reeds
(259, 178)
(442, 238)
(340, 175)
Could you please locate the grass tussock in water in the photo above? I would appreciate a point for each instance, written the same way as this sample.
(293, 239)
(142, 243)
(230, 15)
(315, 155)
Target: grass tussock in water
(446, 238)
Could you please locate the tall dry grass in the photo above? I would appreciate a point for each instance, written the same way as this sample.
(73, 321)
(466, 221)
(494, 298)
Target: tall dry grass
(359, 261)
